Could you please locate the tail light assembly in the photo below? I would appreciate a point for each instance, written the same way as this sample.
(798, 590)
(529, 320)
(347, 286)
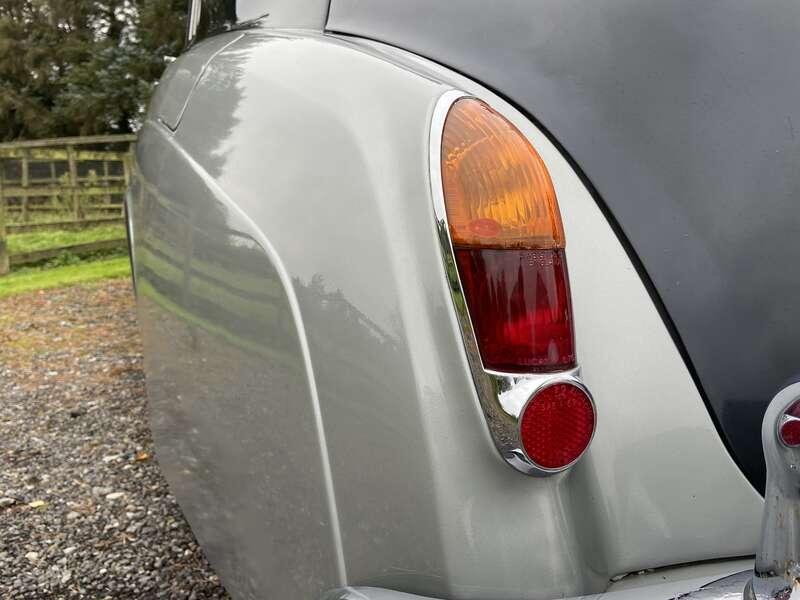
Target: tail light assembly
(503, 244)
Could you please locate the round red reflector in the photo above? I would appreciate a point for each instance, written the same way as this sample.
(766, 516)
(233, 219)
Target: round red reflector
(790, 433)
(790, 427)
(557, 425)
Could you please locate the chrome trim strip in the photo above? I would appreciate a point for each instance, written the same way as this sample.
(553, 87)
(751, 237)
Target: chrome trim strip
(727, 588)
(502, 396)
(194, 19)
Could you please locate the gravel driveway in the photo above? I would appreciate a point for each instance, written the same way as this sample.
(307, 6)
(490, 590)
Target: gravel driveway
(84, 510)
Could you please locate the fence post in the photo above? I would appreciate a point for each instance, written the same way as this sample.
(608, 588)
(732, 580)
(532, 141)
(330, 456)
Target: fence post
(3, 245)
(73, 183)
(127, 160)
(25, 182)
(107, 197)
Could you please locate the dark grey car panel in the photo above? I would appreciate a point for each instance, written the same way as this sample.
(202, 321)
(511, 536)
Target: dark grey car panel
(685, 118)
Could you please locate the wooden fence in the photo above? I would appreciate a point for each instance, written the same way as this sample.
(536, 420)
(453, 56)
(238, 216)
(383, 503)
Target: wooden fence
(61, 183)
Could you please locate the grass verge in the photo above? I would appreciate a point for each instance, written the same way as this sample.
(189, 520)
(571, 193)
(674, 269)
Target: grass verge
(31, 279)
(19, 243)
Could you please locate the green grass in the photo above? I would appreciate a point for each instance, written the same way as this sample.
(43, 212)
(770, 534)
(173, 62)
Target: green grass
(19, 243)
(32, 279)
(52, 217)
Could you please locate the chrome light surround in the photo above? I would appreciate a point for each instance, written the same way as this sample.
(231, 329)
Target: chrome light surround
(502, 396)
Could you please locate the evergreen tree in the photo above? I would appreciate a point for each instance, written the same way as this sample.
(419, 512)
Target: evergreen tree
(82, 67)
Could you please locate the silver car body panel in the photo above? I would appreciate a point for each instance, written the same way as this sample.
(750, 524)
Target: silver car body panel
(181, 76)
(312, 403)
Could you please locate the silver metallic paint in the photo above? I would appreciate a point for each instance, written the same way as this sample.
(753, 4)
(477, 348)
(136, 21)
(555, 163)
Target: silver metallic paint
(211, 397)
(176, 85)
(301, 167)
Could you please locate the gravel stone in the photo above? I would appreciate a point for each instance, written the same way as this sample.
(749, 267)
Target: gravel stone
(84, 509)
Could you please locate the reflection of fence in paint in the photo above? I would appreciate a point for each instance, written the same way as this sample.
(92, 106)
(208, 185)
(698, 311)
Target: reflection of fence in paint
(209, 276)
(64, 183)
(220, 279)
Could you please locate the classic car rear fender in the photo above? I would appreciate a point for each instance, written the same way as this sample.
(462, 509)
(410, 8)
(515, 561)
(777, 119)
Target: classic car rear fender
(312, 403)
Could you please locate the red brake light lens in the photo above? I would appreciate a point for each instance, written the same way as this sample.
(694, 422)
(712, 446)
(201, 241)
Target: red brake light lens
(520, 308)
(557, 425)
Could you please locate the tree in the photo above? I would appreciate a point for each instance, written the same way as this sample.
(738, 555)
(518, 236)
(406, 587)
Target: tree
(81, 67)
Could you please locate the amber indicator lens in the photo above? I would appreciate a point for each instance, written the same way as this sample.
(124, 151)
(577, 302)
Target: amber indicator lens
(789, 429)
(498, 191)
(557, 425)
(508, 241)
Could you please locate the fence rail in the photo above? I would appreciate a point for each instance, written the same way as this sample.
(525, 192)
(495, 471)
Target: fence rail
(63, 181)
(70, 141)
(62, 225)
(36, 256)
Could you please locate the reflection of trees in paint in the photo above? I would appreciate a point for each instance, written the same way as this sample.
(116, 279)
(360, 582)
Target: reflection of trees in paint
(342, 318)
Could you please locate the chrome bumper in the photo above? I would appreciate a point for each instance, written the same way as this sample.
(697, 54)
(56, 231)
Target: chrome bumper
(729, 588)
